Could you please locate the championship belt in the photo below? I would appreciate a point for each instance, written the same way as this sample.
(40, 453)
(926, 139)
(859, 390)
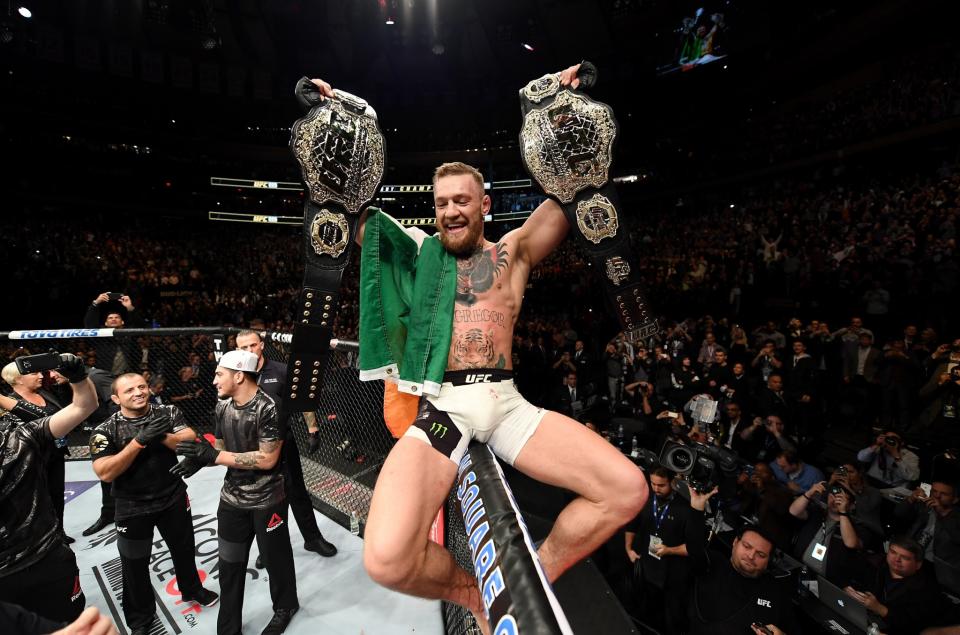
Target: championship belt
(342, 157)
(567, 144)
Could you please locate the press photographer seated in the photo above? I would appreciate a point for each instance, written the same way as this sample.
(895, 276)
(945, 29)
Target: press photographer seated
(831, 536)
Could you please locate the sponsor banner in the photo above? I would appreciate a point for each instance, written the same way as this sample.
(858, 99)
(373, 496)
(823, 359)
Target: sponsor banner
(174, 614)
(59, 334)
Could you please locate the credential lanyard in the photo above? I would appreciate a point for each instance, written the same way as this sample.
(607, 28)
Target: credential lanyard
(658, 517)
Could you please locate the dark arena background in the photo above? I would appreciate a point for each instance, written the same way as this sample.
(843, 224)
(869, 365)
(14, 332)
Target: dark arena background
(789, 181)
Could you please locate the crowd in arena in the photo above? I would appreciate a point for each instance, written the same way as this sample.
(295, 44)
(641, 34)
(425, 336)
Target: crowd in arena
(808, 351)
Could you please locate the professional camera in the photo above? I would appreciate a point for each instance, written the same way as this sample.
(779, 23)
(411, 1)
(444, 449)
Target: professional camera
(891, 441)
(703, 465)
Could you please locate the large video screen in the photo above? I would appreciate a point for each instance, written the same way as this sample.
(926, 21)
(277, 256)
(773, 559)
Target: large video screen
(698, 36)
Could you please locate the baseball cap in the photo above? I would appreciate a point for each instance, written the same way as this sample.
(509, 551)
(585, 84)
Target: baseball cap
(240, 361)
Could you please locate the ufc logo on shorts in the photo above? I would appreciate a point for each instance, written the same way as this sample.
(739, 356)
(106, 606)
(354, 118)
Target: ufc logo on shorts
(121, 529)
(474, 378)
(766, 603)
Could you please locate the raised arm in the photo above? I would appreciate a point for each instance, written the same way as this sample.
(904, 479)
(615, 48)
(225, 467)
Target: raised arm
(542, 232)
(84, 400)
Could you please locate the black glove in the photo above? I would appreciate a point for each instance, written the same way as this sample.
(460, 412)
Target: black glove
(186, 468)
(314, 441)
(200, 451)
(156, 429)
(72, 367)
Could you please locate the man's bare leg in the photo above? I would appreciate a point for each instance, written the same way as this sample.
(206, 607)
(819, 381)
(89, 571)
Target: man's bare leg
(612, 489)
(397, 552)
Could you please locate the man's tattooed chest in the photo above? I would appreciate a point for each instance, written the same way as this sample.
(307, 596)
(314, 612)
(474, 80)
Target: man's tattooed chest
(480, 272)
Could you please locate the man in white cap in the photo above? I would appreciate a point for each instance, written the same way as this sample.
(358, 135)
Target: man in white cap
(253, 501)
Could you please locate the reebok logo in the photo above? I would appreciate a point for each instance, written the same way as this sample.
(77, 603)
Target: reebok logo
(762, 602)
(477, 378)
(438, 430)
(275, 521)
(77, 591)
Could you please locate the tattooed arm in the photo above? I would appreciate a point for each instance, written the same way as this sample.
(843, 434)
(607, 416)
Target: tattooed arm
(263, 459)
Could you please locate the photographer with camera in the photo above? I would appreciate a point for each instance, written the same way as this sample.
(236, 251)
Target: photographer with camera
(734, 594)
(37, 571)
(134, 450)
(764, 438)
(933, 521)
(767, 360)
(891, 464)
(868, 510)
(830, 537)
(114, 310)
(654, 544)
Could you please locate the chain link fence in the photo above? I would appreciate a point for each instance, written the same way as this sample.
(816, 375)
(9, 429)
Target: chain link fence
(340, 473)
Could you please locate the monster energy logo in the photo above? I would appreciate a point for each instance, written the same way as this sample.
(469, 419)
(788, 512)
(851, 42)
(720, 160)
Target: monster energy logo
(438, 430)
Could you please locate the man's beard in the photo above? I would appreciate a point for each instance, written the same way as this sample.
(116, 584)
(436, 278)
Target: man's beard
(464, 244)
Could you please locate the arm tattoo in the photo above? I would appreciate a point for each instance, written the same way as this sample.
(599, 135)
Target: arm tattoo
(474, 349)
(248, 459)
(477, 273)
(268, 447)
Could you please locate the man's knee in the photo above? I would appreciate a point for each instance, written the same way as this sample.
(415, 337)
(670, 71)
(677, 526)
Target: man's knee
(630, 494)
(388, 563)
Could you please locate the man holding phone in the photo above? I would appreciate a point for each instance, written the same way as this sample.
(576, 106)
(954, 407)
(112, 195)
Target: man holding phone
(114, 310)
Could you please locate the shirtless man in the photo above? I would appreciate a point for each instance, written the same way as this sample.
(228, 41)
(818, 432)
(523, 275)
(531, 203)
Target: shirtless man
(417, 476)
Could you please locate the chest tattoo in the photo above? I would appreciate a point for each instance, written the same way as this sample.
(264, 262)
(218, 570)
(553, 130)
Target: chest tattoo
(478, 272)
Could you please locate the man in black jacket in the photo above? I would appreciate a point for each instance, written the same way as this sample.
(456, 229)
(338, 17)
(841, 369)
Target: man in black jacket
(735, 594)
(654, 544)
(901, 593)
(272, 378)
(116, 356)
(37, 571)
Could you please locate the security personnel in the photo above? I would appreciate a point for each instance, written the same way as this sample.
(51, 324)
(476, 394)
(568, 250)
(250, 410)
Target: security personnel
(654, 543)
(37, 571)
(252, 502)
(272, 380)
(734, 595)
(134, 450)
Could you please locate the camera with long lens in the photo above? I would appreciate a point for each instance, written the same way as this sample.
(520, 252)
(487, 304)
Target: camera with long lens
(891, 441)
(704, 466)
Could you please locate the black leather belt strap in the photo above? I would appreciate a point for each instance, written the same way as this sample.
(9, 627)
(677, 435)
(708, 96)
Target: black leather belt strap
(342, 158)
(567, 142)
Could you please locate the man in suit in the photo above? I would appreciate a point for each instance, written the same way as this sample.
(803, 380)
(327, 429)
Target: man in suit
(569, 398)
(801, 384)
(860, 366)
